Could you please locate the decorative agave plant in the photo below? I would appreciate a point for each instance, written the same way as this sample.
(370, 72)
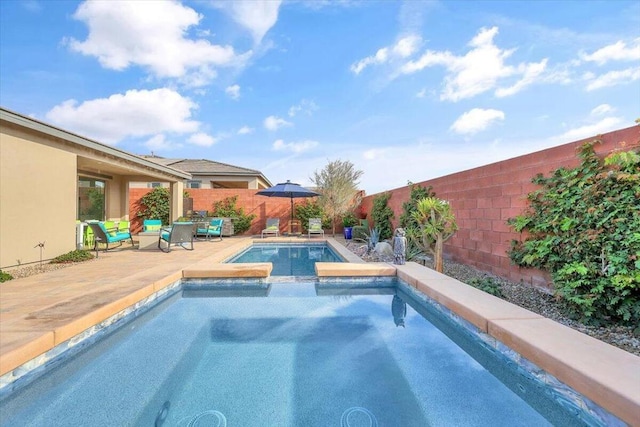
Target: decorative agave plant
(373, 238)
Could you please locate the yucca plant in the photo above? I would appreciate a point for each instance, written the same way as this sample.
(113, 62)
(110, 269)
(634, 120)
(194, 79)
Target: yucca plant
(435, 225)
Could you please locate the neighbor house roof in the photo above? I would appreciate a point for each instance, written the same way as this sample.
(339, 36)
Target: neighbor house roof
(207, 167)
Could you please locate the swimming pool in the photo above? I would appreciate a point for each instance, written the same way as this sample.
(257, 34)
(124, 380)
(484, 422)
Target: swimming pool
(303, 354)
(288, 259)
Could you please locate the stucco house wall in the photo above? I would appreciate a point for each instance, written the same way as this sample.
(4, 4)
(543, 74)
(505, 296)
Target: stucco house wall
(37, 189)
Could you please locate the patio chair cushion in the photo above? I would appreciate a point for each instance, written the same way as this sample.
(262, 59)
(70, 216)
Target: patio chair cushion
(151, 225)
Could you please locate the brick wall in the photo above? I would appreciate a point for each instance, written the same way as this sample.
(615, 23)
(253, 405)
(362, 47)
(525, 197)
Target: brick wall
(485, 197)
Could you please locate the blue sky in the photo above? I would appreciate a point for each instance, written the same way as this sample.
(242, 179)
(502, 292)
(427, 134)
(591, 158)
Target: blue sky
(406, 91)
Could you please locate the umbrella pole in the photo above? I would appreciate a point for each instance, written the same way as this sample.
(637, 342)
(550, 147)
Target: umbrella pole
(292, 209)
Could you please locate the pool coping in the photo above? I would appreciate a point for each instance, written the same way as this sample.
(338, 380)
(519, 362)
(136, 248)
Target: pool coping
(605, 374)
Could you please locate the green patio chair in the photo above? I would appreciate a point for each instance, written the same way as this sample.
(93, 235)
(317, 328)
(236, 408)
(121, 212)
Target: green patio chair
(273, 227)
(315, 227)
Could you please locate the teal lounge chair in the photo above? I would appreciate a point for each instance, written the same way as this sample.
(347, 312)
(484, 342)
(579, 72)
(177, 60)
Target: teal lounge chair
(212, 229)
(102, 235)
(180, 233)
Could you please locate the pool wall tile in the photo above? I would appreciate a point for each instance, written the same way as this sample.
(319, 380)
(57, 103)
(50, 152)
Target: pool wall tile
(603, 373)
(40, 343)
(52, 354)
(80, 324)
(167, 281)
(603, 376)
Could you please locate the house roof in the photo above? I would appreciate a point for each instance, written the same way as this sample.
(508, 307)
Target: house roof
(111, 159)
(207, 167)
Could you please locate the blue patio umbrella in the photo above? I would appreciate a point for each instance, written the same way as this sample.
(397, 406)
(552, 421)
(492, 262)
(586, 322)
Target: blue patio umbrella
(288, 189)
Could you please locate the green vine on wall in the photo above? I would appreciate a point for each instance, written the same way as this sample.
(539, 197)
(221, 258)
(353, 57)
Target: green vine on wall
(155, 205)
(381, 215)
(583, 227)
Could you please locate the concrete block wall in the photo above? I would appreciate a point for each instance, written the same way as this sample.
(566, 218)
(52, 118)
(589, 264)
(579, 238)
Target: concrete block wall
(484, 198)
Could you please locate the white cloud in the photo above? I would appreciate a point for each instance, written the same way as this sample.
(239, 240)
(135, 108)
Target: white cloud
(150, 34)
(373, 153)
(530, 74)
(159, 143)
(605, 125)
(273, 123)
(601, 109)
(479, 70)
(233, 91)
(294, 147)
(403, 48)
(476, 120)
(305, 106)
(202, 139)
(136, 113)
(614, 52)
(257, 16)
(612, 78)
(245, 130)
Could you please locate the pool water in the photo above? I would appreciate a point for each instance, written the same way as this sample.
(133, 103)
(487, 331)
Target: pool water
(303, 354)
(289, 259)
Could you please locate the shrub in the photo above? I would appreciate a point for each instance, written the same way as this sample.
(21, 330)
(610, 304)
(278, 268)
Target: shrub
(407, 221)
(5, 277)
(155, 205)
(381, 215)
(349, 220)
(73, 256)
(408, 208)
(488, 285)
(583, 227)
(227, 209)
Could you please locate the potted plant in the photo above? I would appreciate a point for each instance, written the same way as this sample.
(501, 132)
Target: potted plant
(348, 221)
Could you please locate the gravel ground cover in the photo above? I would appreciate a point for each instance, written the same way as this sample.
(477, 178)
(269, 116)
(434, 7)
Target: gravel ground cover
(528, 297)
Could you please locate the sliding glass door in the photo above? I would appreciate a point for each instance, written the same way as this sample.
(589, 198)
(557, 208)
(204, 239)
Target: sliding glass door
(91, 199)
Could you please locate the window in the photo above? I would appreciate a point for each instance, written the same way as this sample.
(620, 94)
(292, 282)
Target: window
(154, 184)
(194, 184)
(91, 199)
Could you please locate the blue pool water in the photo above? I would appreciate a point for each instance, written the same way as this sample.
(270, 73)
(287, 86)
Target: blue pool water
(283, 354)
(289, 259)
